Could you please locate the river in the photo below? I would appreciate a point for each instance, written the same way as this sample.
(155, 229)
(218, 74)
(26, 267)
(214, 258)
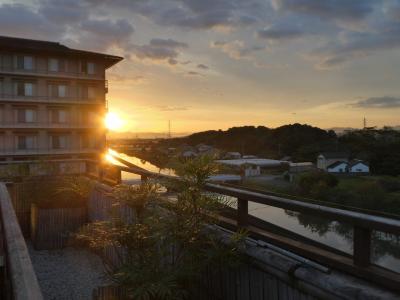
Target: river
(386, 249)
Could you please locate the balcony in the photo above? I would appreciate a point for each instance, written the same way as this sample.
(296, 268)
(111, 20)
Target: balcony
(52, 74)
(48, 125)
(49, 99)
(46, 151)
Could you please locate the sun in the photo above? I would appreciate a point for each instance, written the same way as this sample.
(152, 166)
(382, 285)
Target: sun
(113, 121)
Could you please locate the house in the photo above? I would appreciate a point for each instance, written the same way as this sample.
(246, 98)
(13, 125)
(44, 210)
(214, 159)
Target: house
(188, 154)
(250, 166)
(358, 167)
(52, 103)
(249, 156)
(232, 155)
(300, 167)
(203, 148)
(338, 167)
(328, 158)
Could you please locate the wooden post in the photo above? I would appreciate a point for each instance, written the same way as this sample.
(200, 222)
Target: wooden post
(362, 246)
(143, 178)
(242, 213)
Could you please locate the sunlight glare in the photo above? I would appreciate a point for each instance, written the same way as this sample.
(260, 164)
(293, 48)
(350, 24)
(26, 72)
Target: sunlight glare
(113, 121)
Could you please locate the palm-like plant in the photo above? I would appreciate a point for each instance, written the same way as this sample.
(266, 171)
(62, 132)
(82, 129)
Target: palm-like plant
(136, 196)
(164, 252)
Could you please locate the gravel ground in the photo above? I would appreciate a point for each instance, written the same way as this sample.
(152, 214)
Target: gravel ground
(67, 274)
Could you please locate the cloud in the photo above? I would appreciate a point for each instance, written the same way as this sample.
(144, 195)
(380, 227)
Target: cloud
(193, 14)
(210, 14)
(279, 34)
(193, 73)
(342, 10)
(64, 11)
(379, 102)
(19, 20)
(126, 79)
(236, 49)
(172, 108)
(103, 33)
(202, 67)
(159, 50)
(355, 45)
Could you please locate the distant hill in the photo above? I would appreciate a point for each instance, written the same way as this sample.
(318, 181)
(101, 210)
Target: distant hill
(143, 135)
(302, 142)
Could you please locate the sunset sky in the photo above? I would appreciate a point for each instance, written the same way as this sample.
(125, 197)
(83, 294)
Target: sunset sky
(214, 64)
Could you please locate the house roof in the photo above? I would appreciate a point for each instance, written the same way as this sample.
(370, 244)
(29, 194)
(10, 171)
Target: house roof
(336, 164)
(37, 46)
(330, 155)
(357, 161)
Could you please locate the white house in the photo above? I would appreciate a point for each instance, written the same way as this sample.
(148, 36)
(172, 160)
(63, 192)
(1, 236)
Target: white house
(328, 158)
(358, 166)
(338, 167)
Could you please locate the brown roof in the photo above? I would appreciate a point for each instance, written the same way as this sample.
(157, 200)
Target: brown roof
(20, 44)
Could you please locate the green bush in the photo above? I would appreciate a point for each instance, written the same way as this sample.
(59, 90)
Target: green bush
(315, 183)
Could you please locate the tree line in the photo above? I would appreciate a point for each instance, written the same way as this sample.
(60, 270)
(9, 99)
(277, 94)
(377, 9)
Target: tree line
(380, 147)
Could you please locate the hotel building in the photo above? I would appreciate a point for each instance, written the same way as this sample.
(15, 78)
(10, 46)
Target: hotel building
(52, 104)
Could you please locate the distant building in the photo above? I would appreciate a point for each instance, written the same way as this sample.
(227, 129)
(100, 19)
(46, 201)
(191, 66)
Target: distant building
(203, 148)
(52, 103)
(338, 167)
(328, 158)
(249, 156)
(251, 166)
(358, 167)
(188, 154)
(232, 155)
(300, 167)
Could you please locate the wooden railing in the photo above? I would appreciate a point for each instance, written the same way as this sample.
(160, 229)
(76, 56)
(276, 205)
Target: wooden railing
(18, 265)
(359, 264)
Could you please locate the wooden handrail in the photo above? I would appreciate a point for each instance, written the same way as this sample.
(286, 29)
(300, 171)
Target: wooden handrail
(363, 224)
(24, 283)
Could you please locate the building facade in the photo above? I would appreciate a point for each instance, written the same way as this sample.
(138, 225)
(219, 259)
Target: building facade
(52, 102)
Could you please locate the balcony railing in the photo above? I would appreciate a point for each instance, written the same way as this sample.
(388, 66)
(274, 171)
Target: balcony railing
(49, 99)
(48, 150)
(21, 280)
(48, 73)
(358, 264)
(50, 125)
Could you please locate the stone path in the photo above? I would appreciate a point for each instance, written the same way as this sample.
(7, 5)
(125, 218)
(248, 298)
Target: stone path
(68, 273)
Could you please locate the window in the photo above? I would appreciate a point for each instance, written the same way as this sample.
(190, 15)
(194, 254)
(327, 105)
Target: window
(24, 89)
(28, 89)
(53, 65)
(58, 116)
(25, 142)
(62, 91)
(59, 141)
(91, 68)
(26, 115)
(57, 90)
(25, 62)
